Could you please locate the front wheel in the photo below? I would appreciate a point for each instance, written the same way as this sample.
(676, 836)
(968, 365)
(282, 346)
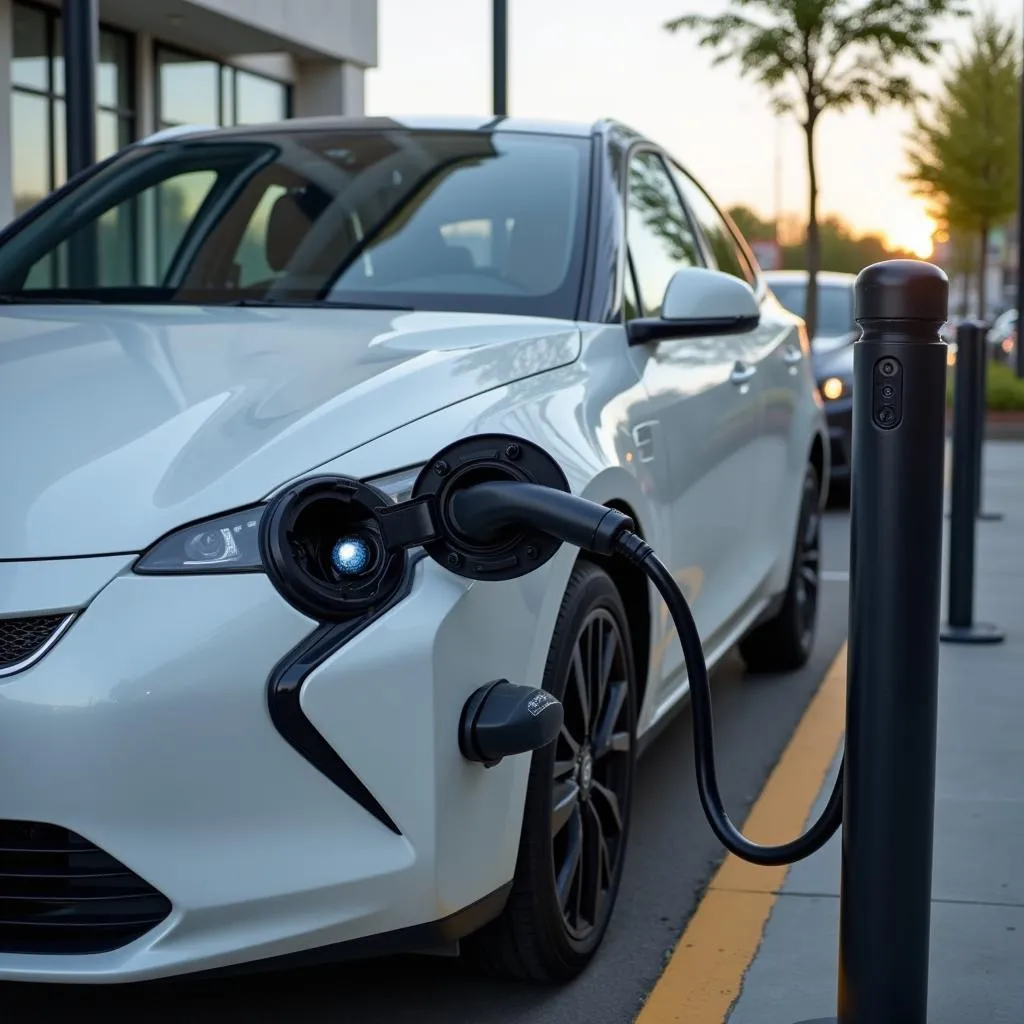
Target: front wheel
(578, 800)
(784, 643)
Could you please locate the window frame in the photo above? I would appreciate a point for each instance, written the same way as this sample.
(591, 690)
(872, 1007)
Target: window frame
(747, 259)
(127, 117)
(628, 261)
(159, 46)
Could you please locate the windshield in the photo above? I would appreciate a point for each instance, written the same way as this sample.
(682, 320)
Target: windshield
(835, 305)
(458, 221)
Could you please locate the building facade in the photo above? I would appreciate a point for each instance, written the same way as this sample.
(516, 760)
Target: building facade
(169, 62)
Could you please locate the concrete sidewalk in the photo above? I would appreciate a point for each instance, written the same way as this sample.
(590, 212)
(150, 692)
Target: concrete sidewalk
(977, 952)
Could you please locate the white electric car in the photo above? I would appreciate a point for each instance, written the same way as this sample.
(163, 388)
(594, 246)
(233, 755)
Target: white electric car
(196, 774)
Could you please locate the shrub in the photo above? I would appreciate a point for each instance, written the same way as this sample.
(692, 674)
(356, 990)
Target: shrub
(1005, 389)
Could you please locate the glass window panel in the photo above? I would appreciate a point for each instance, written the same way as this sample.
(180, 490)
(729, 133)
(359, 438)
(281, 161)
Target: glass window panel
(260, 100)
(113, 85)
(188, 89)
(58, 56)
(108, 140)
(724, 247)
(251, 256)
(29, 65)
(30, 158)
(658, 231)
(177, 202)
(60, 147)
(227, 96)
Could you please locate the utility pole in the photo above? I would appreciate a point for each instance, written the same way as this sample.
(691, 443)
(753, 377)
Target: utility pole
(81, 54)
(81, 31)
(500, 57)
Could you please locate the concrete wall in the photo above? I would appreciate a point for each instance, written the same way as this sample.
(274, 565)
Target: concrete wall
(343, 29)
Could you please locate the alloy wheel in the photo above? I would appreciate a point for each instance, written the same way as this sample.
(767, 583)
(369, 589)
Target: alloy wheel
(592, 775)
(808, 566)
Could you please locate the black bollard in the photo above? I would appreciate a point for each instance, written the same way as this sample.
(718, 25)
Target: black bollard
(982, 413)
(968, 427)
(899, 426)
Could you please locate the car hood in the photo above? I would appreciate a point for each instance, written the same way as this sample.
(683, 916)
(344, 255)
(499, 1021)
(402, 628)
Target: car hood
(120, 424)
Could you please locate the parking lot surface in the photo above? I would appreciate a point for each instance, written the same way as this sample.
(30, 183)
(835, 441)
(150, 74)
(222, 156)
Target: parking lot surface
(671, 858)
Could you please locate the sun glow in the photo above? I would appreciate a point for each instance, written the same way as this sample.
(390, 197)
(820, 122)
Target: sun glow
(912, 230)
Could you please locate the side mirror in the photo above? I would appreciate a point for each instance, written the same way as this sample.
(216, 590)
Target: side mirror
(699, 302)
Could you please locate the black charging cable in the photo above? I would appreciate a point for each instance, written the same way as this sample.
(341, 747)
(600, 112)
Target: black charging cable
(483, 510)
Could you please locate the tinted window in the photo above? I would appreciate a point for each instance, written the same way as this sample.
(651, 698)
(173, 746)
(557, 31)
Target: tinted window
(427, 220)
(658, 231)
(835, 305)
(727, 254)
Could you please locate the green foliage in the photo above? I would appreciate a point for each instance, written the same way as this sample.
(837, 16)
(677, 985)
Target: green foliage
(811, 55)
(841, 249)
(964, 151)
(1005, 390)
(816, 55)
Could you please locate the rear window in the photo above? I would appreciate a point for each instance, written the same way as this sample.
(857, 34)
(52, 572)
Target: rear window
(835, 305)
(473, 221)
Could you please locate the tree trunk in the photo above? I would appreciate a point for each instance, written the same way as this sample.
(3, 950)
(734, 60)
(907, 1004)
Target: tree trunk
(983, 273)
(812, 247)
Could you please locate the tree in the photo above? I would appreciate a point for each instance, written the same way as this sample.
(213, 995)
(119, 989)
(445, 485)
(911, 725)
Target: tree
(964, 152)
(841, 249)
(817, 55)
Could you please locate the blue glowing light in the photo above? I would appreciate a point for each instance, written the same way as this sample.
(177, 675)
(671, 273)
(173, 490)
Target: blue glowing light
(351, 556)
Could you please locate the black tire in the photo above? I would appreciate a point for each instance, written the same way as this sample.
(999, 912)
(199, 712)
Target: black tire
(534, 939)
(839, 494)
(784, 643)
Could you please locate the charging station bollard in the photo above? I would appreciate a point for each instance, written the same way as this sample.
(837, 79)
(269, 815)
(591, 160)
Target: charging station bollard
(981, 353)
(896, 517)
(968, 428)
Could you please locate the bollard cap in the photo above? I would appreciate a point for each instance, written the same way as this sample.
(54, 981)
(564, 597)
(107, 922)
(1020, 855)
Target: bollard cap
(902, 290)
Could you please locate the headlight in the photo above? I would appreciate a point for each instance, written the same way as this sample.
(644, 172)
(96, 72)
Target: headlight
(834, 388)
(229, 543)
(398, 485)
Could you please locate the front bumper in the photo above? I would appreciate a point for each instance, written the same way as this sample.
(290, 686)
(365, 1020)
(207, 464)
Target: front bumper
(145, 732)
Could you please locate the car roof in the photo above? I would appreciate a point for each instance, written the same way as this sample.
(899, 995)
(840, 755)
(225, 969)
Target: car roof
(800, 276)
(578, 129)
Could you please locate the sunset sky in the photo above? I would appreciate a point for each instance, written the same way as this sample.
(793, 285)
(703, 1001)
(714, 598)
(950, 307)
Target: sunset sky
(584, 59)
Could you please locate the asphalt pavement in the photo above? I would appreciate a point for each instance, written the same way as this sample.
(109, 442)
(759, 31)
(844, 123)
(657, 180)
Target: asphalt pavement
(671, 858)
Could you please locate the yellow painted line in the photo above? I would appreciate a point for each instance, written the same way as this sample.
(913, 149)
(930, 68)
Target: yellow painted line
(704, 975)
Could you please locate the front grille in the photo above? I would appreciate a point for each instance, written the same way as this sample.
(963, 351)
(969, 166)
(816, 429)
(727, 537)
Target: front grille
(22, 638)
(61, 894)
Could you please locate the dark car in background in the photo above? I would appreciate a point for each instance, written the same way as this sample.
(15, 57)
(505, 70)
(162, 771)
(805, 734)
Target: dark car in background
(832, 354)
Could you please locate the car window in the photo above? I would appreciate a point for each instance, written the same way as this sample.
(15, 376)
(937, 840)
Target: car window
(658, 231)
(728, 255)
(442, 220)
(835, 305)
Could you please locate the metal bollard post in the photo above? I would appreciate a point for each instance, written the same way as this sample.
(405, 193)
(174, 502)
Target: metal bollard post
(982, 412)
(968, 425)
(899, 426)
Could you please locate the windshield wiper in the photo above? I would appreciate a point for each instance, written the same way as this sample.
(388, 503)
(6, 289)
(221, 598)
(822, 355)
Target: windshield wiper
(318, 304)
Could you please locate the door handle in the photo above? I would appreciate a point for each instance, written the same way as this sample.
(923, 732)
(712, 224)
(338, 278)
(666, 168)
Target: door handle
(741, 373)
(792, 355)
